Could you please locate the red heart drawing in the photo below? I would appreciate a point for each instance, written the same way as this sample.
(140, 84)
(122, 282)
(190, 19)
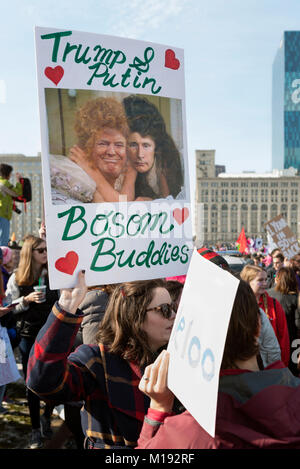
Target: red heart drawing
(54, 74)
(170, 60)
(181, 214)
(67, 264)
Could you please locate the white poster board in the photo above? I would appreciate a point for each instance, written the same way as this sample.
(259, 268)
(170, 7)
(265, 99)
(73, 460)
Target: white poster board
(147, 234)
(198, 338)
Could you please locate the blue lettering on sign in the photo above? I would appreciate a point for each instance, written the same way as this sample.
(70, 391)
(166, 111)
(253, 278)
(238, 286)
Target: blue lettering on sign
(193, 348)
(208, 355)
(195, 341)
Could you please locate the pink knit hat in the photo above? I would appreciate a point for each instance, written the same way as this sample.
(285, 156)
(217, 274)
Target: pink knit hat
(7, 254)
(179, 278)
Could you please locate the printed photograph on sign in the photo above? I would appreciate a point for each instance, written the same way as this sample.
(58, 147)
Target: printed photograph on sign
(103, 145)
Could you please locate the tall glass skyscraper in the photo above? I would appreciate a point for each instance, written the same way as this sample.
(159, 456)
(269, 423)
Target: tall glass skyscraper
(286, 103)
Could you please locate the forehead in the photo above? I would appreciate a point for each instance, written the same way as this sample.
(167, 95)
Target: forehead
(108, 133)
(136, 137)
(261, 276)
(42, 244)
(160, 296)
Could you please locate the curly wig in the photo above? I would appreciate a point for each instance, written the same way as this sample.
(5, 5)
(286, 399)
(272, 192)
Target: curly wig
(96, 115)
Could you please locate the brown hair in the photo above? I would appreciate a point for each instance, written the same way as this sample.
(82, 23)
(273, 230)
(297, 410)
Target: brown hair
(279, 256)
(5, 170)
(241, 340)
(25, 271)
(121, 327)
(286, 281)
(249, 272)
(94, 116)
(174, 288)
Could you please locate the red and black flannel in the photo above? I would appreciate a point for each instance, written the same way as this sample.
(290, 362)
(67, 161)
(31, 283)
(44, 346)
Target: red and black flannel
(114, 407)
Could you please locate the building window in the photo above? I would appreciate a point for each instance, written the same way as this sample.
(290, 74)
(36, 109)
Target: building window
(244, 216)
(233, 219)
(224, 218)
(284, 211)
(274, 211)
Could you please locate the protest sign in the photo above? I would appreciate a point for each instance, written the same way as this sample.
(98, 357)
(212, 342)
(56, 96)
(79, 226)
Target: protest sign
(114, 157)
(282, 236)
(198, 337)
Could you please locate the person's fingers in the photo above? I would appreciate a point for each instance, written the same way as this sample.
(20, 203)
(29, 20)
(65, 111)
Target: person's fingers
(155, 370)
(161, 382)
(81, 279)
(145, 379)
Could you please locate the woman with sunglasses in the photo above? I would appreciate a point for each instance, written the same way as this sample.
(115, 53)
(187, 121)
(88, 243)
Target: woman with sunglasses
(137, 323)
(31, 313)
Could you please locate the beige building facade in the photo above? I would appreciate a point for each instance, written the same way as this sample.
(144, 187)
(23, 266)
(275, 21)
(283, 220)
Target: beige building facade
(226, 203)
(28, 222)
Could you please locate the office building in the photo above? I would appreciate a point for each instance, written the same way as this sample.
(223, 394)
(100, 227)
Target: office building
(286, 103)
(228, 202)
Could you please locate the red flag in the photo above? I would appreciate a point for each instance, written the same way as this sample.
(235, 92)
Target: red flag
(242, 241)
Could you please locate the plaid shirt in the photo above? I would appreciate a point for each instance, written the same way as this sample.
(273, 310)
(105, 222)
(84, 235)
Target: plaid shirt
(114, 407)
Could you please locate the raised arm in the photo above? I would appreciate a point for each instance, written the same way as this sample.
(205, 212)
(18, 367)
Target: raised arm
(53, 372)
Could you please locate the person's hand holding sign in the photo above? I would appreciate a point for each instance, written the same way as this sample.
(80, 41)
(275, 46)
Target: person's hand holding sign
(154, 384)
(71, 298)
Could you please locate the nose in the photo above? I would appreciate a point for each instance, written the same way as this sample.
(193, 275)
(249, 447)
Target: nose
(140, 152)
(111, 149)
(173, 316)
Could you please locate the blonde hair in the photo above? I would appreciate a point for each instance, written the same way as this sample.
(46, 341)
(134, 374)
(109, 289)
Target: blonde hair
(249, 272)
(96, 115)
(25, 271)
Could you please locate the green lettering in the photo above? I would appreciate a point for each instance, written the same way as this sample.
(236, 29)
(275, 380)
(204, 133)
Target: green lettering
(144, 256)
(128, 261)
(98, 218)
(167, 259)
(99, 253)
(71, 220)
(159, 255)
(118, 53)
(141, 66)
(185, 257)
(107, 80)
(104, 52)
(67, 50)
(149, 80)
(131, 219)
(135, 81)
(117, 224)
(56, 37)
(82, 58)
(124, 78)
(175, 253)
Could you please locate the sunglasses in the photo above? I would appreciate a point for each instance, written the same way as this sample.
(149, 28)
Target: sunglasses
(166, 309)
(40, 250)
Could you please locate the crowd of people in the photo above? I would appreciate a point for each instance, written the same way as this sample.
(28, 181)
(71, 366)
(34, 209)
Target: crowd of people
(101, 352)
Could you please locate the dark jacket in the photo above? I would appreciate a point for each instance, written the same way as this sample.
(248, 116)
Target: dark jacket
(93, 307)
(114, 407)
(30, 318)
(292, 313)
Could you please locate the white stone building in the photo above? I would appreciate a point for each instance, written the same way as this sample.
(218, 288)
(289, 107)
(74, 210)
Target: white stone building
(226, 203)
